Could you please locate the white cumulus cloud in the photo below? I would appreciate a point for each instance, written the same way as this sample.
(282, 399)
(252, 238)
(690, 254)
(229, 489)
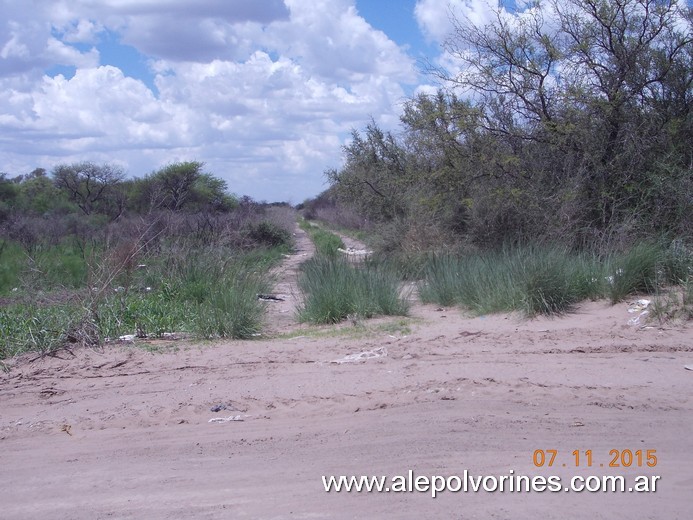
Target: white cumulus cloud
(263, 92)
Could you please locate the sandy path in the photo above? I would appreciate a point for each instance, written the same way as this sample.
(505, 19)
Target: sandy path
(281, 315)
(125, 433)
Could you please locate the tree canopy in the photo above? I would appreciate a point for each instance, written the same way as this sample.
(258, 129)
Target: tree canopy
(570, 120)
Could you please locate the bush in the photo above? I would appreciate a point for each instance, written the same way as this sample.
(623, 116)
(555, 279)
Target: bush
(267, 234)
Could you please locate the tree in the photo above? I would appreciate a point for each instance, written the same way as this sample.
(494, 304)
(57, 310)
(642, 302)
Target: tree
(374, 177)
(92, 187)
(8, 195)
(182, 186)
(600, 88)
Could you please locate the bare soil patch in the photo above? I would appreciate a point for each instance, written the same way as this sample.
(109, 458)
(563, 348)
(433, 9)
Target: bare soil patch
(125, 432)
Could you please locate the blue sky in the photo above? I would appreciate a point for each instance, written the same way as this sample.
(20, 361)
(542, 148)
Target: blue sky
(264, 92)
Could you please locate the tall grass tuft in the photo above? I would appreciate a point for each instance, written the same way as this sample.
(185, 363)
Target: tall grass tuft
(335, 290)
(553, 280)
(677, 262)
(634, 271)
(533, 280)
(233, 309)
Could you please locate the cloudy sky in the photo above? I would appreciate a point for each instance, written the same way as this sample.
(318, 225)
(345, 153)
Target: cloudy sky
(264, 92)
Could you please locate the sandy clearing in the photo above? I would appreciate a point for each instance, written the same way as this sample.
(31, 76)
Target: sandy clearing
(451, 393)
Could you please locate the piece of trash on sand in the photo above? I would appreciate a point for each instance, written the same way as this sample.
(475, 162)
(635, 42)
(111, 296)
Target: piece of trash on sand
(350, 251)
(688, 367)
(270, 297)
(636, 320)
(230, 418)
(638, 306)
(362, 356)
(641, 307)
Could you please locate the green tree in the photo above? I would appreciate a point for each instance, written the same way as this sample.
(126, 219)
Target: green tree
(182, 186)
(94, 188)
(594, 89)
(374, 176)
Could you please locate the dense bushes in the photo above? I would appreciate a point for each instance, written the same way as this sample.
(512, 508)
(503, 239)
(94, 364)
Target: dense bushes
(578, 131)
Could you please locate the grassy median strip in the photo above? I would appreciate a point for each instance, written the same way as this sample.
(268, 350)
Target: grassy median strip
(326, 242)
(335, 290)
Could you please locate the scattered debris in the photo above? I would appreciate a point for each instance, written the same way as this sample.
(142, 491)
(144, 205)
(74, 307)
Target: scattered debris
(270, 298)
(128, 338)
(362, 356)
(230, 418)
(66, 428)
(350, 251)
(641, 307)
(688, 367)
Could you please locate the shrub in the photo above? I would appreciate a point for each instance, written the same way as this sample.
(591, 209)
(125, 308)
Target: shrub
(268, 234)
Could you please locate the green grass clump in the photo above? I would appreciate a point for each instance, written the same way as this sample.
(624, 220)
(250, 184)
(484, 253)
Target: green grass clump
(335, 290)
(326, 242)
(531, 279)
(553, 280)
(634, 271)
(233, 309)
(144, 314)
(677, 263)
(47, 267)
(208, 292)
(29, 327)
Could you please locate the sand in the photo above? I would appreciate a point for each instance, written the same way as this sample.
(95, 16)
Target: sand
(124, 431)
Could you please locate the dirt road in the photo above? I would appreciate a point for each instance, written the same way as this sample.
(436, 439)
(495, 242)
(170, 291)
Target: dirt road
(125, 432)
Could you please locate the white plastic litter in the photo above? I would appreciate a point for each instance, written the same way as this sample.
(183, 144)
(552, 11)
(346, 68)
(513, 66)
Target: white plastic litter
(230, 418)
(362, 356)
(638, 306)
(636, 320)
(350, 251)
(688, 367)
(641, 307)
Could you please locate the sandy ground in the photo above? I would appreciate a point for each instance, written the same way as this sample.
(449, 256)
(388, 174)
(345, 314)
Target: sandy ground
(125, 431)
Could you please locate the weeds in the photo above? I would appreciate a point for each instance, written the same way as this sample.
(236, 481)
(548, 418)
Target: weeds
(326, 243)
(210, 292)
(35, 328)
(233, 309)
(547, 281)
(634, 271)
(335, 290)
